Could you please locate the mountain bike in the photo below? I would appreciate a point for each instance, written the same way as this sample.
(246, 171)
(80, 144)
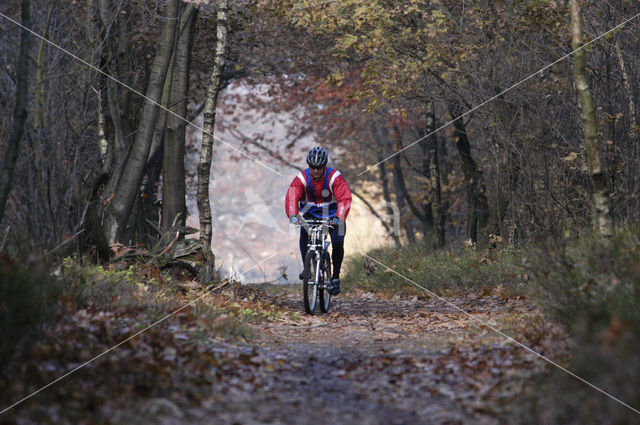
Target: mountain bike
(317, 266)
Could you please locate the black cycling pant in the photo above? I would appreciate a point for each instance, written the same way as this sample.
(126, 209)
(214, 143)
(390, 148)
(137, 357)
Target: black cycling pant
(337, 251)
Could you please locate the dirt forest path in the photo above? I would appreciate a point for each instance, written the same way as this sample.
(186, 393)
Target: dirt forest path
(380, 361)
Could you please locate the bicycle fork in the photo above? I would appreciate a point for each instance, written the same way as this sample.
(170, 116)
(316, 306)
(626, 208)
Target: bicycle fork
(317, 276)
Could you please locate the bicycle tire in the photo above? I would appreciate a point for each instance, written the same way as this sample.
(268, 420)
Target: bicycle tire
(324, 294)
(309, 285)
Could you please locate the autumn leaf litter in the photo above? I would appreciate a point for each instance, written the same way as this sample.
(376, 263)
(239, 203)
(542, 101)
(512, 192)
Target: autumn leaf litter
(261, 360)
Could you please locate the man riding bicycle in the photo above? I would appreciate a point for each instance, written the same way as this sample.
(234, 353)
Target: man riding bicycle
(321, 192)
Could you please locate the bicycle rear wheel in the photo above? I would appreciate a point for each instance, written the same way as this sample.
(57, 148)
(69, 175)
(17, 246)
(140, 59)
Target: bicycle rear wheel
(309, 285)
(325, 273)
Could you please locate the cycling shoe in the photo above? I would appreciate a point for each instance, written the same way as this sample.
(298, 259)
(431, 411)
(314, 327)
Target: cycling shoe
(335, 287)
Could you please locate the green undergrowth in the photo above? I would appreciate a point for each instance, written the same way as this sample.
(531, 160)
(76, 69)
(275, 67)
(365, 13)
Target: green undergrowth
(160, 336)
(36, 298)
(588, 285)
(143, 291)
(391, 270)
(592, 287)
(121, 286)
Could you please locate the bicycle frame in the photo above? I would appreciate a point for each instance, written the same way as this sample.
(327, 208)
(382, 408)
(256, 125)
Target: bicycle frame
(317, 259)
(318, 230)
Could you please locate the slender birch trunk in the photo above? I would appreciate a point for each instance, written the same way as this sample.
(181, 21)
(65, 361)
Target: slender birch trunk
(204, 167)
(631, 106)
(20, 111)
(601, 197)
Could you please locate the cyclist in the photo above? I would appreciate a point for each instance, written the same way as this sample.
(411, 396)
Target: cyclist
(321, 192)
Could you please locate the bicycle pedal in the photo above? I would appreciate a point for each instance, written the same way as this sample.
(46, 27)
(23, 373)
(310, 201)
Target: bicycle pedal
(335, 287)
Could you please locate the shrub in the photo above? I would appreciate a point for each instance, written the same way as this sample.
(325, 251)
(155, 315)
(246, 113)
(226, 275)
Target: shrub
(592, 287)
(27, 297)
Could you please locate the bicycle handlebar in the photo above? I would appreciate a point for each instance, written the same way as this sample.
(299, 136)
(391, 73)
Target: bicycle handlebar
(316, 221)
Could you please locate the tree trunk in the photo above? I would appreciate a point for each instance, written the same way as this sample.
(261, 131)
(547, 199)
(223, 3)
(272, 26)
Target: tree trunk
(631, 106)
(204, 167)
(387, 196)
(478, 206)
(402, 187)
(20, 111)
(428, 223)
(399, 191)
(512, 171)
(146, 210)
(634, 129)
(601, 198)
(128, 185)
(119, 107)
(38, 119)
(434, 173)
(402, 205)
(173, 174)
(118, 144)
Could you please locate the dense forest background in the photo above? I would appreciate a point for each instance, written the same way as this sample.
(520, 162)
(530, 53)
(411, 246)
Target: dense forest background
(368, 79)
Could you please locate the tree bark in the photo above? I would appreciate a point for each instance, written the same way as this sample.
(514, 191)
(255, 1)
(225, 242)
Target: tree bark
(38, 119)
(601, 198)
(145, 210)
(204, 167)
(387, 195)
(631, 106)
(173, 174)
(477, 204)
(20, 111)
(407, 224)
(134, 168)
(428, 223)
(120, 112)
(434, 173)
(400, 190)
(402, 187)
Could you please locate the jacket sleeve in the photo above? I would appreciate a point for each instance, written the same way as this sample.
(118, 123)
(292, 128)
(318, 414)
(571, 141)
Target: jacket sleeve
(342, 194)
(295, 193)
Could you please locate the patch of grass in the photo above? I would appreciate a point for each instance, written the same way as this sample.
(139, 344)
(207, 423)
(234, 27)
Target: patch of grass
(439, 271)
(131, 287)
(141, 289)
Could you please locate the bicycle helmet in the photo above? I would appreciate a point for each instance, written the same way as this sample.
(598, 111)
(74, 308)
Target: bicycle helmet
(317, 157)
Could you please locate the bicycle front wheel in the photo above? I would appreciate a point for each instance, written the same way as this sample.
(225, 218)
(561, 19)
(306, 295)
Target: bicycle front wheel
(309, 283)
(325, 272)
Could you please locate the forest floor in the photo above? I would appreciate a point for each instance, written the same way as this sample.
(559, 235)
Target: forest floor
(387, 361)
(371, 360)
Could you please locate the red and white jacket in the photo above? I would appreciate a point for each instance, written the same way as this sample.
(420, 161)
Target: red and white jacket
(326, 198)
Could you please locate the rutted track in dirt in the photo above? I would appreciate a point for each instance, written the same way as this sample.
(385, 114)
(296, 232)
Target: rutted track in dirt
(377, 361)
